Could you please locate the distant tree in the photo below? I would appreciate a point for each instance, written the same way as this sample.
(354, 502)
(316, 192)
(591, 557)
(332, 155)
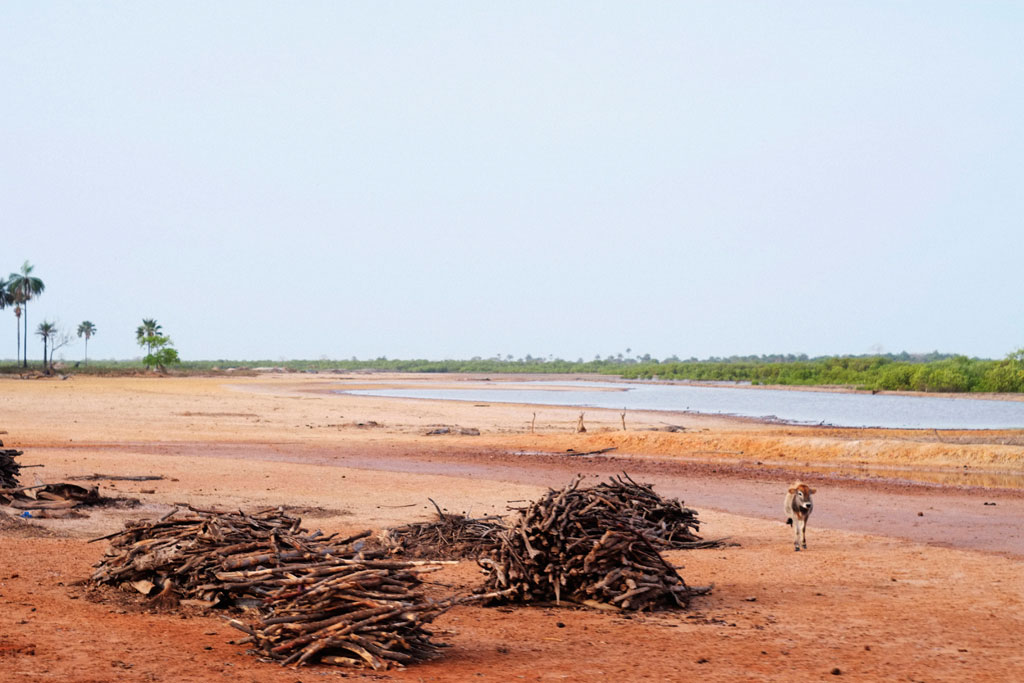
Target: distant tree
(58, 340)
(47, 331)
(5, 296)
(86, 329)
(163, 355)
(160, 351)
(149, 329)
(12, 298)
(1006, 375)
(24, 287)
(7, 301)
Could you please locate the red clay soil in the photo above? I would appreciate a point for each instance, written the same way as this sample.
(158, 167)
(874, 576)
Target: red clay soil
(882, 593)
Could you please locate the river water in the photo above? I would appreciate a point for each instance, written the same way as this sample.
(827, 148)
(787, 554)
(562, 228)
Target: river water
(790, 406)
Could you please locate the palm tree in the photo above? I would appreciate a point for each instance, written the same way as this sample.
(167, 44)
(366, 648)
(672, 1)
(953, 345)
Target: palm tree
(87, 330)
(7, 299)
(24, 286)
(10, 298)
(47, 331)
(148, 328)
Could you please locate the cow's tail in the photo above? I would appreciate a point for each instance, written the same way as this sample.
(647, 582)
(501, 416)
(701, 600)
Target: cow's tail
(789, 521)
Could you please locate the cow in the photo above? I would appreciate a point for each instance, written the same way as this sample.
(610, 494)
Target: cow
(798, 508)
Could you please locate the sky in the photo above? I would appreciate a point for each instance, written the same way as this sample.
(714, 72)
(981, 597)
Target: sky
(452, 179)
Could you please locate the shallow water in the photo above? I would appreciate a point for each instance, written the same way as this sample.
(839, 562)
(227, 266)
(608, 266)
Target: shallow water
(790, 406)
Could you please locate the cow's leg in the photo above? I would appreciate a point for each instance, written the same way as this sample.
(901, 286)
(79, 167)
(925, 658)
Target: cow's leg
(803, 532)
(797, 522)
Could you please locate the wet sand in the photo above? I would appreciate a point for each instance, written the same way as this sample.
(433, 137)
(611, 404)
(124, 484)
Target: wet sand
(952, 573)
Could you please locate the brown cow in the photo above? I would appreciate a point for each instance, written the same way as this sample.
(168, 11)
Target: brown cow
(798, 508)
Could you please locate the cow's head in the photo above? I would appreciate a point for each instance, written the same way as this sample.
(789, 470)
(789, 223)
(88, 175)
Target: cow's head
(802, 497)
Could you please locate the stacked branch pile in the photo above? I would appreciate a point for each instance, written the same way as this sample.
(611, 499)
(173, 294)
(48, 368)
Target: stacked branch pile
(595, 546)
(315, 598)
(450, 536)
(9, 467)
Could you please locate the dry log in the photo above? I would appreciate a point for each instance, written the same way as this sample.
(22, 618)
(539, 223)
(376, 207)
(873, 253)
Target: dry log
(50, 496)
(23, 504)
(21, 489)
(117, 477)
(599, 451)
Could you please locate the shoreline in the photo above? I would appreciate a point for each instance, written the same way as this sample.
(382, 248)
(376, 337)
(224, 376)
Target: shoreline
(553, 387)
(508, 377)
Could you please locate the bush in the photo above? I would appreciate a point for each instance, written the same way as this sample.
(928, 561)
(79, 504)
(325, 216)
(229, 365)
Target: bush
(1005, 376)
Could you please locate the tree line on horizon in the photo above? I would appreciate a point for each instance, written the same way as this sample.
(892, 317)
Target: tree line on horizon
(922, 372)
(22, 286)
(929, 372)
(938, 373)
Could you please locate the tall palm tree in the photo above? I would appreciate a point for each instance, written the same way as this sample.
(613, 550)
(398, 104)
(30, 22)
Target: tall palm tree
(47, 331)
(7, 299)
(87, 330)
(148, 328)
(25, 286)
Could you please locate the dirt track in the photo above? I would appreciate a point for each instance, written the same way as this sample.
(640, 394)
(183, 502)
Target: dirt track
(878, 595)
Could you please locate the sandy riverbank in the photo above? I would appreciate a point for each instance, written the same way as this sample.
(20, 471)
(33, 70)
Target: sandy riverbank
(357, 462)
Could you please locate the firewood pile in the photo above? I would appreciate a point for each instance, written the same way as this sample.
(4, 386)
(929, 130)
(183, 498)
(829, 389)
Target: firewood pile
(52, 500)
(591, 546)
(450, 536)
(9, 467)
(315, 598)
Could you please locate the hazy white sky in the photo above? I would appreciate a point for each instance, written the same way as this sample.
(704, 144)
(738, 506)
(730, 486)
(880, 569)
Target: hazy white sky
(447, 180)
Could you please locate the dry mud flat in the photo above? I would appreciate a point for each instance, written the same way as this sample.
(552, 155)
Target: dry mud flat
(881, 594)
